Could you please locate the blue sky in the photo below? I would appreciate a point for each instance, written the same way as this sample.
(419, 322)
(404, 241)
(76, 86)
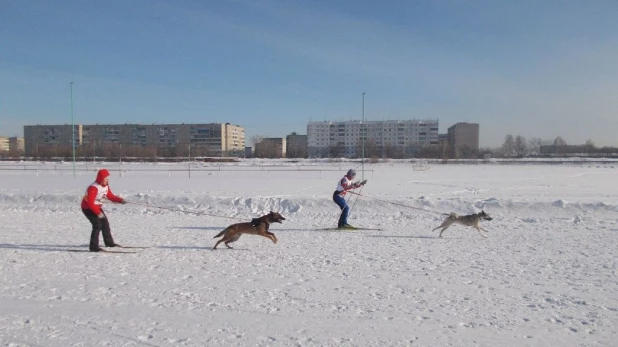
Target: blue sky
(535, 68)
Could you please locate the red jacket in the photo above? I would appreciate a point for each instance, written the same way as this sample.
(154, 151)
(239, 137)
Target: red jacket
(96, 192)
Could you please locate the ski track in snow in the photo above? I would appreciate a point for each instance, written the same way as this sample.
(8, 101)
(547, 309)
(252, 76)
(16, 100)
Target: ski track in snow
(546, 274)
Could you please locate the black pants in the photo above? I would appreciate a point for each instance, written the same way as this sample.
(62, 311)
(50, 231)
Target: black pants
(98, 225)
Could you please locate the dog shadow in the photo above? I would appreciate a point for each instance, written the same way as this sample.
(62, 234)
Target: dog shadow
(202, 248)
(40, 247)
(200, 228)
(405, 237)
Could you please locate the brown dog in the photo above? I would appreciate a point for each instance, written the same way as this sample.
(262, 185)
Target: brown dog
(258, 226)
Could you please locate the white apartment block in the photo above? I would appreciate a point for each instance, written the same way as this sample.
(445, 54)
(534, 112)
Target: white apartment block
(344, 139)
(4, 144)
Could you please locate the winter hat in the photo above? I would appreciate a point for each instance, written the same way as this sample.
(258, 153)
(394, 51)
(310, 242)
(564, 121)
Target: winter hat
(351, 173)
(101, 175)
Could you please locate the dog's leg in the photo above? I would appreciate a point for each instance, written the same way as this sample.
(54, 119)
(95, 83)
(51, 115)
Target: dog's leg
(230, 239)
(445, 225)
(271, 236)
(217, 244)
(479, 230)
(441, 231)
(484, 229)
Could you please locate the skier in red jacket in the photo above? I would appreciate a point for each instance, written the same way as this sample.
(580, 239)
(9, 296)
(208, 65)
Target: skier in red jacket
(92, 204)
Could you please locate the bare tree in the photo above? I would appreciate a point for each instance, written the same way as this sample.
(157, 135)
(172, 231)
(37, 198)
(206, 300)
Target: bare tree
(508, 148)
(430, 152)
(392, 151)
(336, 151)
(467, 152)
(559, 145)
(520, 146)
(371, 148)
(559, 142)
(486, 153)
(534, 146)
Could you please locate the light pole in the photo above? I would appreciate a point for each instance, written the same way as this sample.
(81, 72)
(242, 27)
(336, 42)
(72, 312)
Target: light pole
(363, 134)
(73, 129)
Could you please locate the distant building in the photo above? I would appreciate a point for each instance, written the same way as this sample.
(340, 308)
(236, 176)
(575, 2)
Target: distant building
(463, 139)
(12, 145)
(4, 144)
(443, 145)
(392, 138)
(213, 139)
(16, 145)
(272, 147)
(296, 146)
(248, 152)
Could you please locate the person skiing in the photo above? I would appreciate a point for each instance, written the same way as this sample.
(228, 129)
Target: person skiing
(343, 186)
(92, 204)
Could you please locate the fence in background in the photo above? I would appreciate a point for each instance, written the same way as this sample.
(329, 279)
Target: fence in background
(188, 169)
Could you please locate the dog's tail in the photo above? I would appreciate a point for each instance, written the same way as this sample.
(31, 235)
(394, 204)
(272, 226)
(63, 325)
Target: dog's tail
(220, 234)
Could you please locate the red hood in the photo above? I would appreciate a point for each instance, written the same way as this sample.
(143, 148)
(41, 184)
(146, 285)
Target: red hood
(101, 175)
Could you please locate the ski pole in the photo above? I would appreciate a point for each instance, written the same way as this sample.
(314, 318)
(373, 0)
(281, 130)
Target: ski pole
(357, 196)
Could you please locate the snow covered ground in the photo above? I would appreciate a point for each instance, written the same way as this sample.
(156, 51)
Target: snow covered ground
(545, 276)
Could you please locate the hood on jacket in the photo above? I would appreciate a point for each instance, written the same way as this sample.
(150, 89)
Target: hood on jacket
(101, 175)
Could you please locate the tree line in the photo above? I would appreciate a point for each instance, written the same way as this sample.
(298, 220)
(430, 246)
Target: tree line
(519, 147)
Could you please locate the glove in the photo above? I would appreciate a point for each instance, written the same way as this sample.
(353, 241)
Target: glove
(363, 183)
(101, 215)
(123, 201)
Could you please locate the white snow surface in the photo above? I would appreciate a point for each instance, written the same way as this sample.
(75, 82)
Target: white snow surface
(544, 276)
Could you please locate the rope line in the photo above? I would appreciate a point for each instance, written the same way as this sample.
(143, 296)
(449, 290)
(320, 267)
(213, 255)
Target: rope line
(402, 205)
(184, 211)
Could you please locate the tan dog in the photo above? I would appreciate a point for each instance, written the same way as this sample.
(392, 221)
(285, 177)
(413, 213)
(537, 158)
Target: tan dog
(258, 226)
(471, 220)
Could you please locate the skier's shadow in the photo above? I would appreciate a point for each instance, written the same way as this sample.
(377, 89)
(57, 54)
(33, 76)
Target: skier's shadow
(40, 247)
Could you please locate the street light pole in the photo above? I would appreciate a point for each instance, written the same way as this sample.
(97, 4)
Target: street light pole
(73, 129)
(363, 134)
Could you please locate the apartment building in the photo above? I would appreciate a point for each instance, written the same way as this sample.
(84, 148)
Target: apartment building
(16, 144)
(213, 139)
(296, 146)
(4, 144)
(463, 140)
(271, 147)
(389, 138)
